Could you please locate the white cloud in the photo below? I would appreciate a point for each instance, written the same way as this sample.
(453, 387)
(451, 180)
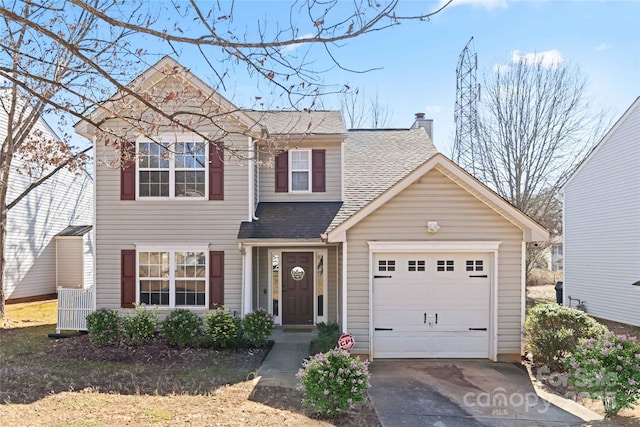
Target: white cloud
(549, 58)
(292, 47)
(432, 109)
(603, 46)
(487, 4)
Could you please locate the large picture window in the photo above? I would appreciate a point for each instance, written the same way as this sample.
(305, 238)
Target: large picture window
(172, 170)
(173, 278)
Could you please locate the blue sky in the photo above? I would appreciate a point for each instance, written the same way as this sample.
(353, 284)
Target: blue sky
(418, 59)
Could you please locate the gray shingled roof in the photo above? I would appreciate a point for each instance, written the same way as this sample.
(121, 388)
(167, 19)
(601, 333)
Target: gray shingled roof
(374, 160)
(300, 122)
(75, 230)
(290, 220)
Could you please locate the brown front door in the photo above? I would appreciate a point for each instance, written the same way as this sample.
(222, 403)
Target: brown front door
(297, 288)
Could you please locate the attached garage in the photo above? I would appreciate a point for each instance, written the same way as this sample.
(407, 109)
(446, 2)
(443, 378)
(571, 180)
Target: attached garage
(431, 303)
(434, 268)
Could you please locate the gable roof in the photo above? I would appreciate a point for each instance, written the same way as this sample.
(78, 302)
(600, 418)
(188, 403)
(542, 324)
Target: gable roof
(635, 106)
(532, 231)
(290, 220)
(155, 74)
(375, 159)
(299, 122)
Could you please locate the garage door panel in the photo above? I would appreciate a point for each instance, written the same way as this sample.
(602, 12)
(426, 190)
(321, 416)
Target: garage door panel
(445, 288)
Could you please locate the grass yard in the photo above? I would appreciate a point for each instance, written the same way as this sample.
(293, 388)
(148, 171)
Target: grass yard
(68, 382)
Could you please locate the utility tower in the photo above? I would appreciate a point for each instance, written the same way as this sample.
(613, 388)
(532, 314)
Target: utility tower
(465, 146)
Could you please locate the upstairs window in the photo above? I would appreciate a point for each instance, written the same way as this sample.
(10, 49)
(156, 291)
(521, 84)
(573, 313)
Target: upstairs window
(299, 169)
(172, 170)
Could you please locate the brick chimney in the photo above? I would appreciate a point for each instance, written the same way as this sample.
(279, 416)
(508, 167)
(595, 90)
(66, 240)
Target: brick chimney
(426, 124)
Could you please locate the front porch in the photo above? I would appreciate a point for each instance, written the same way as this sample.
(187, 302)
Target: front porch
(298, 284)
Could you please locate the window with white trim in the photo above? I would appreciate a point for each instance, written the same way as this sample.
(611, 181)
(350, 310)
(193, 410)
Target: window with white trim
(445, 265)
(386, 265)
(475, 265)
(172, 170)
(300, 170)
(417, 265)
(172, 278)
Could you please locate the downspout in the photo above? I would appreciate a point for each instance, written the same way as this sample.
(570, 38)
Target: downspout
(344, 287)
(94, 242)
(251, 162)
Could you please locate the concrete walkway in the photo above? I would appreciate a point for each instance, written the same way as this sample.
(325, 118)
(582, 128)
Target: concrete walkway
(281, 365)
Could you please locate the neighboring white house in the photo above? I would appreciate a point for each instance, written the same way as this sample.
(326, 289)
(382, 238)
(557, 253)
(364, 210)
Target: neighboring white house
(602, 225)
(66, 199)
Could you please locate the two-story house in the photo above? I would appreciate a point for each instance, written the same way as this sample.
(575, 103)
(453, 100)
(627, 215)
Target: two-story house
(373, 229)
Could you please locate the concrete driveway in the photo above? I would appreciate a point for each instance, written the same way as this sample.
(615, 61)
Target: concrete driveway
(459, 393)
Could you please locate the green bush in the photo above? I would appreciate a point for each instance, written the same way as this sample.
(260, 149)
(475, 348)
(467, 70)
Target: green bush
(104, 326)
(608, 369)
(222, 328)
(140, 326)
(328, 334)
(257, 327)
(552, 332)
(182, 327)
(333, 382)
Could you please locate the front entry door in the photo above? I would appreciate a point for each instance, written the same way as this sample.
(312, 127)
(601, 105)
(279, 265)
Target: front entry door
(297, 288)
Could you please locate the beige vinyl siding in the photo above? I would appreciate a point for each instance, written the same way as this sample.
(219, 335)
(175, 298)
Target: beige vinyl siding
(123, 224)
(602, 226)
(462, 217)
(333, 161)
(70, 262)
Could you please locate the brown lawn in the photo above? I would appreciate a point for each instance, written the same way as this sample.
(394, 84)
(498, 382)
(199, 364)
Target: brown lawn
(69, 382)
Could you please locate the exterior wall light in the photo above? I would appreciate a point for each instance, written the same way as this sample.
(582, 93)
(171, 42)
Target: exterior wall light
(433, 227)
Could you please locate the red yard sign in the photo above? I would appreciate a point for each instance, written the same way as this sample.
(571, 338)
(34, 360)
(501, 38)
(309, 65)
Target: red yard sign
(346, 342)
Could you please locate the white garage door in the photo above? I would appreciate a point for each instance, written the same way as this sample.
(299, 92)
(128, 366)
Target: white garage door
(431, 305)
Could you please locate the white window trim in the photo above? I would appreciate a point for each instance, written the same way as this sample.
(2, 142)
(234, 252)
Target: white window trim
(316, 253)
(172, 284)
(172, 139)
(308, 170)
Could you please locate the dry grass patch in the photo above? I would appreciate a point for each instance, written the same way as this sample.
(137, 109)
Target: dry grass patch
(69, 382)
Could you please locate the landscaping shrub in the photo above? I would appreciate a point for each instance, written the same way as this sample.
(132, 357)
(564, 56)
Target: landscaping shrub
(221, 327)
(328, 334)
(553, 332)
(140, 326)
(333, 382)
(182, 327)
(257, 327)
(607, 368)
(103, 326)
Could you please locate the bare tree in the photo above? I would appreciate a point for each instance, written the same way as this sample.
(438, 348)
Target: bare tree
(536, 125)
(66, 59)
(360, 111)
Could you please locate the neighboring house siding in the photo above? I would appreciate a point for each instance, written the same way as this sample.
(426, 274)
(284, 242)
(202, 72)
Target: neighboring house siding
(123, 224)
(333, 191)
(462, 217)
(602, 226)
(65, 199)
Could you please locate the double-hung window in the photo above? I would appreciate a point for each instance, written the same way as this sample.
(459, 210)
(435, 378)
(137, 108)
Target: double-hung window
(300, 170)
(177, 169)
(172, 278)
